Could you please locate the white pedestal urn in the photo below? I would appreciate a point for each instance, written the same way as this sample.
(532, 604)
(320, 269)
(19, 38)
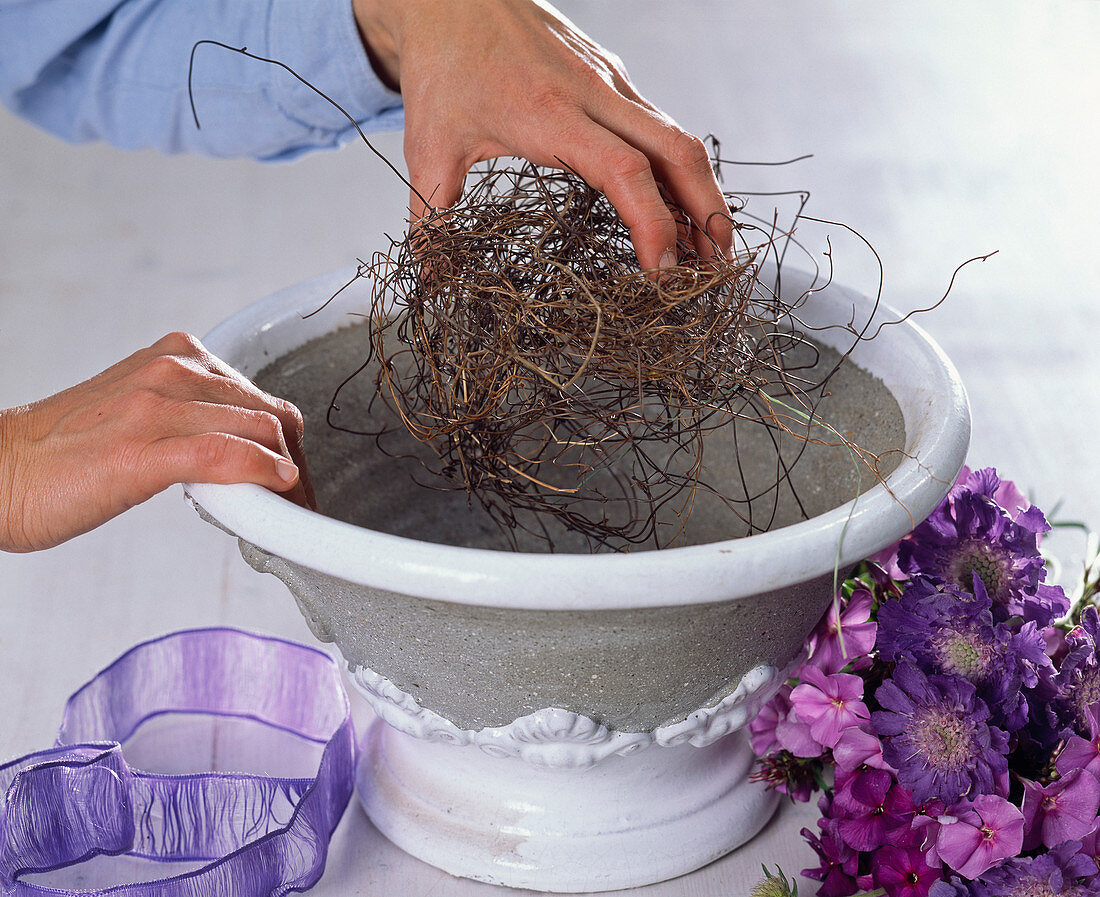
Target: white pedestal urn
(572, 722)
(557, 801)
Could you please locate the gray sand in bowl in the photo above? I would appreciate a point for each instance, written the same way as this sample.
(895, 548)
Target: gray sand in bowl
(359, 484)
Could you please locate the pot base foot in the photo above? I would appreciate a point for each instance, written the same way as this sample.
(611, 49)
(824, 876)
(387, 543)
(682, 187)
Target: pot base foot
(627, 821)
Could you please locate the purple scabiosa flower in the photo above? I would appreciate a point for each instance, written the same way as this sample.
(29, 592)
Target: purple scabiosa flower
(988, 482)
(1075, 863)
(846, 633)
(902, 872)
(1078, 679)
(943, 629)
(970, 535)
(872, 810)
(1049, 603)
(1050, 721)
(935, 732)
(1061, 811)
(797, 777)
(953, 887)
(985, 482)
(1024, 666)
(912, 627)
(973, 836)
(830, 704)
(1057, 873)
(839, 863)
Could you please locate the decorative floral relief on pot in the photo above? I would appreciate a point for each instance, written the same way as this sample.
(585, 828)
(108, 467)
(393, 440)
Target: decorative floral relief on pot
(561, 739)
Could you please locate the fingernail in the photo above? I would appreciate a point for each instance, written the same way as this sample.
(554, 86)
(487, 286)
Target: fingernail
(286, 470)
(668, 258)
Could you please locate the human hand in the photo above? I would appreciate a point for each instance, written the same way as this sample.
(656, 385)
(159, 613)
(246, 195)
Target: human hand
(170, 413)
(487, 78)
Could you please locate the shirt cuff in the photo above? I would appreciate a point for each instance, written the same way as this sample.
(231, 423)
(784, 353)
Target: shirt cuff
(320, 40)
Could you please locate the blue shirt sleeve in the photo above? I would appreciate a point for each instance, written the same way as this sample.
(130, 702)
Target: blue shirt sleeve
(116, 70)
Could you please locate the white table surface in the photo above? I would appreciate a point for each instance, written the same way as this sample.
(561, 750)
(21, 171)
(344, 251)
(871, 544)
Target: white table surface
(940, 130)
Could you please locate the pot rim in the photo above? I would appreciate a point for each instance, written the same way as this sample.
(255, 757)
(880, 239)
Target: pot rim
(937, 423)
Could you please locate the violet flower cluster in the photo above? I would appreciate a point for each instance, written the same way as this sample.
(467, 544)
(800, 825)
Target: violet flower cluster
(950, 713)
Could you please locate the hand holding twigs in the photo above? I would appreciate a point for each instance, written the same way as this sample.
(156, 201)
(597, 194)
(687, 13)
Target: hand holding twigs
(488, 78)
(170, 413)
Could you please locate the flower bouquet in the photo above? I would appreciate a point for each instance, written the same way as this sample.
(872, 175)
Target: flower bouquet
(949, 711)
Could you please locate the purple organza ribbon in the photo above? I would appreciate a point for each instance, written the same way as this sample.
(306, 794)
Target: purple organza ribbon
(256, 835)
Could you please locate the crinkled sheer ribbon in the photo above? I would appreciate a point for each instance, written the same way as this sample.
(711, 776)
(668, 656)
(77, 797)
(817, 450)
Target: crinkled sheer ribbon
(80, 799)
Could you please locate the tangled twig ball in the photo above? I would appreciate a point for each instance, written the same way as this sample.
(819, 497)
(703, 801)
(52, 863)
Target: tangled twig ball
(514, 335)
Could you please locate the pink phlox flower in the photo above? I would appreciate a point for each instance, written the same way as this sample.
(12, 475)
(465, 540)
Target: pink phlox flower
(858, 748)
(1082, 753)
(860, 791)
(872, 810)
(861, 664)
(762, 727)
(795, 736)
(1090, 847)
(777, 726)
(1064, 810)
(830, 704)
(844, 635)
(774, 728)
(1055, 644)
(926, 826)
(839, 863)
(973, 836)
(1011, 499)
(887, 559)
(903, 872)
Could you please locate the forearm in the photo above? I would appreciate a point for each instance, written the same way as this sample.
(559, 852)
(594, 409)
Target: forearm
(102, 70)
(10, 515)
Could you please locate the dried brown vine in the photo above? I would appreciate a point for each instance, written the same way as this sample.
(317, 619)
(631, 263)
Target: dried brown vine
(515, 336)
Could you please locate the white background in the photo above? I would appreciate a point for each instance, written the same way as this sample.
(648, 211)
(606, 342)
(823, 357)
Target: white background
(940, 130)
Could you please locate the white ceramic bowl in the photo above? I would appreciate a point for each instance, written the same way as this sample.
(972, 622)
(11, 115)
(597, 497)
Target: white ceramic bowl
(540, 676)
(913, 367)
